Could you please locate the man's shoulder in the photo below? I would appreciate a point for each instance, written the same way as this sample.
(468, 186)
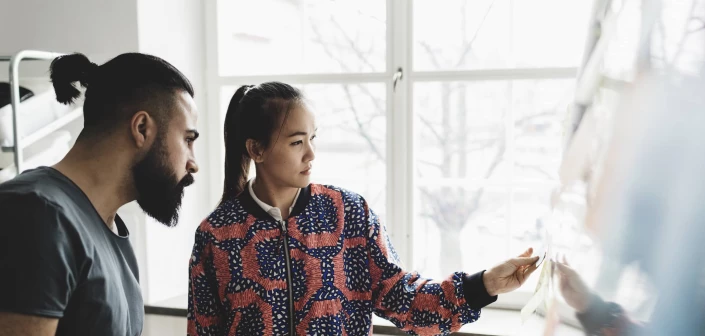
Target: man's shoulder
(41, 182)
(40, 186)
(38, 190)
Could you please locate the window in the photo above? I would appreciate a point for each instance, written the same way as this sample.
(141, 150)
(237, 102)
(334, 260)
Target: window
(486, 160)
(335, 51)
(446, 116)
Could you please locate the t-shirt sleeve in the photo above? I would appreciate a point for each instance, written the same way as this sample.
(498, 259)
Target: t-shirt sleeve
(38, 267)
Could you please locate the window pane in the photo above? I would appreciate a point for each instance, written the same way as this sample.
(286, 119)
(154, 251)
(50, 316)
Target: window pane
(351, 141)
(539, 108)
(351, 137)
(483, 34)
(459, 229)
(529, 208)
(303, 36)
(460, 129)
(487, 155)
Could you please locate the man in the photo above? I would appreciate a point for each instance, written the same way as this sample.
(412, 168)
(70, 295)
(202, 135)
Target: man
(66, 264)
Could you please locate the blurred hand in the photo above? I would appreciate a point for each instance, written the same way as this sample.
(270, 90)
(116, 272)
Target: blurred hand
(574, 290)
(510, 274)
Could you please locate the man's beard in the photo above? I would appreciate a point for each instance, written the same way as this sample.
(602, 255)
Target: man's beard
(159, 194)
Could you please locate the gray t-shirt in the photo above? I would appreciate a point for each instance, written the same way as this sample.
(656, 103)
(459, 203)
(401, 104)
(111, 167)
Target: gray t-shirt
(59, 259)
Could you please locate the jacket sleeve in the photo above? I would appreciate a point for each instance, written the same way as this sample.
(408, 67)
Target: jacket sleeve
(413, 303)
(205, 311)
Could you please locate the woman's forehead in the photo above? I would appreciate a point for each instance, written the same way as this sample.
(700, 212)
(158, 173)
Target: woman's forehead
(300, 119)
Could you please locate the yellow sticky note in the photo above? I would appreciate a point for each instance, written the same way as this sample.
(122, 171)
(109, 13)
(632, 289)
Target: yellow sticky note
(540, 293)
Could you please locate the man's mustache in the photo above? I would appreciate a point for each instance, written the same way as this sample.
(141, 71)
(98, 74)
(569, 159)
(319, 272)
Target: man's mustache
(186, 181)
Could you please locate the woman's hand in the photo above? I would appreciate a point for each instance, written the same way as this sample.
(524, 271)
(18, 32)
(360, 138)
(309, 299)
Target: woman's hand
(510, 274)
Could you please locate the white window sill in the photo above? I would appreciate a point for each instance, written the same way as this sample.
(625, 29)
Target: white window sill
(492, 322)
(502, 322)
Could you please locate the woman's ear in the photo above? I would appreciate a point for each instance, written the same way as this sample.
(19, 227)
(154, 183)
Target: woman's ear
(255, 150)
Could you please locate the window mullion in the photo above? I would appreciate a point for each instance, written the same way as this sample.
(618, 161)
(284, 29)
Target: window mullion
(212, 94)
(400, 198)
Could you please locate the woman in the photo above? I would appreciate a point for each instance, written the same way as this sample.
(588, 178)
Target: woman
(282, 256)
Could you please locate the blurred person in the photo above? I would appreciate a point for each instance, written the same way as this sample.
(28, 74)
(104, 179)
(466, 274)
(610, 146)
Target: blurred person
(649, 209)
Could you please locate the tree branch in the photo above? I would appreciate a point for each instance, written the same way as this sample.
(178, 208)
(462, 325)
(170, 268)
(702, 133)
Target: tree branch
(468, 46)
(534, 168)
(442, 208)
(475, 203)
(437, 135)
(361, 128)
(436, 165)
(352, 45)
(697, 29)
(363, 88)
(482, 145)
(431, 54)
(525, 120)
(681, 43)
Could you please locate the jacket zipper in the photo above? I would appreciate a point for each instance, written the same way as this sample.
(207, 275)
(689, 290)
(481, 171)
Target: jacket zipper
(290, 289)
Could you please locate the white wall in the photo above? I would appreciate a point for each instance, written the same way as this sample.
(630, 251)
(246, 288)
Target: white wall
(103, 29)
(99, 28)
(175, 31)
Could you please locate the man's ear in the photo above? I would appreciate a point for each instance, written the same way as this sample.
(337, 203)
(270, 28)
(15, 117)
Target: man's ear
(143, 129)
(255, 150)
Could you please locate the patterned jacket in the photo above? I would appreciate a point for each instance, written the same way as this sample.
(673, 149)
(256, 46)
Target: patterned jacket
(330, 263)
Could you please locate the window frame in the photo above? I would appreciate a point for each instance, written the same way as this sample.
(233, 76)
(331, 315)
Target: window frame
(400, 180)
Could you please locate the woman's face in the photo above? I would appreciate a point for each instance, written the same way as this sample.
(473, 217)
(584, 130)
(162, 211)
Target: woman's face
(288, 160)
